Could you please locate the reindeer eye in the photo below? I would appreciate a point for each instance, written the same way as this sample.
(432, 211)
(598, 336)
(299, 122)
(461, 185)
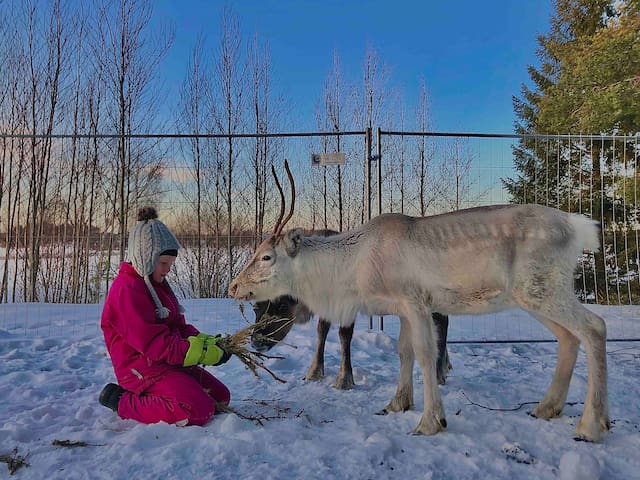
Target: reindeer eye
(266, 258)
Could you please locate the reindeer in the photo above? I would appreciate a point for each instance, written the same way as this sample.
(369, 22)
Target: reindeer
(277, 317)
(471, 261)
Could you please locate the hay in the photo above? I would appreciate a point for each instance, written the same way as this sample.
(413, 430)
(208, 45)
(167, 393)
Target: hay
(236, 344)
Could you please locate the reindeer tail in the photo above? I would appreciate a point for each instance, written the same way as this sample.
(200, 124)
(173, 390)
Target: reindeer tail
(587, 232)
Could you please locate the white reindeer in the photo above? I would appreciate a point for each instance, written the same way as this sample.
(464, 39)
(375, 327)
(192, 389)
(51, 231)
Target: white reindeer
(471, 261)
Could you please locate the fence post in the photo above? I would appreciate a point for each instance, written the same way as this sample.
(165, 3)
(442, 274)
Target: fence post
(367, 186)
(379, 159)
(367, 174)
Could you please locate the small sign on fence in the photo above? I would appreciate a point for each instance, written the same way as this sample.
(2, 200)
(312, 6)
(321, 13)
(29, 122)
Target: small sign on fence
(318, 159)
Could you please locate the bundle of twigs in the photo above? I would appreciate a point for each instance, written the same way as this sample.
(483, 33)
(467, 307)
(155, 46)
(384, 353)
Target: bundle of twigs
(236, 344)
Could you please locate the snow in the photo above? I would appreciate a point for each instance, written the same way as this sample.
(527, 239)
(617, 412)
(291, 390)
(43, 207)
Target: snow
(53, 364)
(579, 466)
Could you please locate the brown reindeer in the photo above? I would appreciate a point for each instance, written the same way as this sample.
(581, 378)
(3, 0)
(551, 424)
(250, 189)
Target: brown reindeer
(471, 261)
(278, 316)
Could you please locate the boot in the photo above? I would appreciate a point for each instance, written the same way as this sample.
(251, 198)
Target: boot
(110, 396)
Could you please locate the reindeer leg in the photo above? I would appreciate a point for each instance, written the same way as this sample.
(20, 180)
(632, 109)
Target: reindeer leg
(595, 417)
(316, 370)
(574, 320)
(553, 402)
(424, 346)
(403, 399)
(344, 380)
(444, 365)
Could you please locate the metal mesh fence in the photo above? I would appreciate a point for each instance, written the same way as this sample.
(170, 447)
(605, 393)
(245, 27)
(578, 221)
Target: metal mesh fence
(595, 176)
(67, 199)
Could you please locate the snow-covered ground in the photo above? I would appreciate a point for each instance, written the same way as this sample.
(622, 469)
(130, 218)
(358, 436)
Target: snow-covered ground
(53, 364)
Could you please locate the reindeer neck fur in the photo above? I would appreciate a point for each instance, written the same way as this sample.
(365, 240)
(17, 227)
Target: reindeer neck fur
(325, 272)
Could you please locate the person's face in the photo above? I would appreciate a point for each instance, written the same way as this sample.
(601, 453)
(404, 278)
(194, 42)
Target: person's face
(163, 267)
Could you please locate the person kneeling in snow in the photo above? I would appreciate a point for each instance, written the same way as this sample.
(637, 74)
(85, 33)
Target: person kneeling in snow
(155, 353)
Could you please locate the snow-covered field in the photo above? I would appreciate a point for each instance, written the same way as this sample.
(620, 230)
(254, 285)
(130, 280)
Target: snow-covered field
(53, 364)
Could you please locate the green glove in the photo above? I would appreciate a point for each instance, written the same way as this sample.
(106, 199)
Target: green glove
(203, 350)
(213, 341)
(205, 336)
(196, 345)
(212, 353)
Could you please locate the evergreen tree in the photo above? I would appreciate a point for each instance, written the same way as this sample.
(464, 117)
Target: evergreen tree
(588, 82)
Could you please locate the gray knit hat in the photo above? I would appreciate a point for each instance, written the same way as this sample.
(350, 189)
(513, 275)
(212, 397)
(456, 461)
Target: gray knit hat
(149, 239)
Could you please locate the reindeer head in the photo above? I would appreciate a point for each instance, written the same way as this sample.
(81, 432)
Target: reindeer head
(267, 275)
(274, 320)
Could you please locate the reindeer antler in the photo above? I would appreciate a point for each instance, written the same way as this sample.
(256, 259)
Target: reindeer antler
(279, 226)
(275, 176)
(293, 197)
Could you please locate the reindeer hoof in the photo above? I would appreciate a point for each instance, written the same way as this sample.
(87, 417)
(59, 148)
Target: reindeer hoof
(344, 383)
(430, 425)
(443, 372)
(592, 431)
(396, 405)
(384, 411)
(546, 411)
(314, 375)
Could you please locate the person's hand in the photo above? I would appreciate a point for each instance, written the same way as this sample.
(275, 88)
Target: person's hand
(204, 336)
(225, 356)
(203, 350)
(196, 348)
(211, 342)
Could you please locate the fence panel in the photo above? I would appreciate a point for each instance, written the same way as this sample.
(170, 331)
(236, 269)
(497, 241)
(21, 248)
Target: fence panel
(593, 175)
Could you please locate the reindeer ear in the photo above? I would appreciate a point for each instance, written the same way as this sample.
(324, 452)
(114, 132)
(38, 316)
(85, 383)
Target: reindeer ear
(292, 241)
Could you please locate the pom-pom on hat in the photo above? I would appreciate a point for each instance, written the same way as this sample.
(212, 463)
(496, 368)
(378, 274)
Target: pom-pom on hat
(148, 240)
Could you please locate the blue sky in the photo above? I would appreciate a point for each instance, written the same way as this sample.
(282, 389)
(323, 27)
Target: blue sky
(472, 54)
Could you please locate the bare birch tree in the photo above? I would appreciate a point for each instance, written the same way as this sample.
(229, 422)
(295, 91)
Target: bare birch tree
(130, 56)
(13, 105)
(399, 153)
(332, 119)
(90, 200)
(425, 150)
(320, 181)
(228, 107)
(46, 59)
(454, 182)
(372, 107)
(193, 119)
(264, 113)
(82, 169)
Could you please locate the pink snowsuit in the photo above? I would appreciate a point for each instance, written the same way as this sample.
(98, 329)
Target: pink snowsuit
(147, 355)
